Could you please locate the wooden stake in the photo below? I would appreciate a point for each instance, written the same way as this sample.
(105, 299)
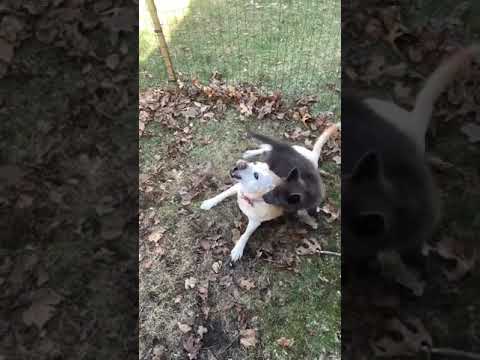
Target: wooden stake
(157, 27)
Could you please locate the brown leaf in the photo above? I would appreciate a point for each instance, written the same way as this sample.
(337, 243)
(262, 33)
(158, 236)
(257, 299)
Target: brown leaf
(205, 244)
(42, 308)
(332, 213)
(6, 51)
(190, 283)
(192, 346)
(454, 249)
(248, 338)
(309, 247)
(112, 61)
(265, 109)
(184, 328)
(247, 284)
(411, 337)
(472, 131)
(42, 276)
(285, 343)
(155, 236)
(216, 266)
(203, 292)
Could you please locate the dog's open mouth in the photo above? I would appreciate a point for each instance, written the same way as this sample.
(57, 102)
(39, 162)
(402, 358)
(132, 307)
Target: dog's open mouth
(234, 175)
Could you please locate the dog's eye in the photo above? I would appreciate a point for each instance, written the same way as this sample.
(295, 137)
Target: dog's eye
(255, 175)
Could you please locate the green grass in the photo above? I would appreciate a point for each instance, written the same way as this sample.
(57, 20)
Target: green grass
(292, 46)
(305, 308)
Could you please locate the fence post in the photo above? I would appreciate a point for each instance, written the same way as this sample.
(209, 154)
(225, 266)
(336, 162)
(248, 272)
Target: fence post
(157, 27)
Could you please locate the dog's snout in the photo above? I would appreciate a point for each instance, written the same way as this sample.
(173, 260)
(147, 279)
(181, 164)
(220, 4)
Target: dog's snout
(240, 165)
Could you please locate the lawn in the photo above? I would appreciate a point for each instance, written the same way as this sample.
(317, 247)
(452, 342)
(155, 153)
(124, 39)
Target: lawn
(292, 297)
(292, 46)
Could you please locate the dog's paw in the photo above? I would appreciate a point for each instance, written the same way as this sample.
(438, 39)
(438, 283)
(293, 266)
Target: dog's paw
(250, 154)
(207, 204)
(236, 253)
(310, 222)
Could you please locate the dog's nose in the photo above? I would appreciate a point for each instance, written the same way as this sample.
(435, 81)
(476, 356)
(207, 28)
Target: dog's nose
(240, 165)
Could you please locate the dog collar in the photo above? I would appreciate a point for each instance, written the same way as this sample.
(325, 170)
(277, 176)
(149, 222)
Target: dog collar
(249, 200)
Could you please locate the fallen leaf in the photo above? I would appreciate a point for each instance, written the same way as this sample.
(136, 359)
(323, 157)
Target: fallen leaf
(216, 266)
(454, 249)
(472, 131)
(247, 284)
(155, 236)
(42, 308)
(309, 247)
(184, 328)
(190, 283)
(203, 292)
(112, 61)
(332, 213)
(410, 338)
(202, 331)
(285, 343)
(205, 244)
(192, 345)
(42, 276)
(248, 338)
(6, 51)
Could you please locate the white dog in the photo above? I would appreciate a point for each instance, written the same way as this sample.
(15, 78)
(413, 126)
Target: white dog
(253, 181)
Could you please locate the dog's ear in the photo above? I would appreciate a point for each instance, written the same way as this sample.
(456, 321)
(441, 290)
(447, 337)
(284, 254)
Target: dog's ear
(370, 224)
(294, 199)
(293, 175)
(367, 168)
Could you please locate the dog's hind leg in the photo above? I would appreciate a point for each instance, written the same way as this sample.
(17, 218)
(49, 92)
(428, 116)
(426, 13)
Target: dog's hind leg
(237, 251)
(306, 218)
(208, 204)
(264, 148)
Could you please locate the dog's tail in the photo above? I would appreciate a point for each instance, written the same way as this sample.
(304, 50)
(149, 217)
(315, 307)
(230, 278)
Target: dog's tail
(323, 138)
(436, 84)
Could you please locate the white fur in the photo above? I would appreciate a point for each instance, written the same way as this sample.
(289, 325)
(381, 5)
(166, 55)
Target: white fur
(264, 148)
(253, 188)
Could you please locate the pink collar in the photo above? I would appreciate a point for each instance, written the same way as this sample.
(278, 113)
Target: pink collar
(249, 200)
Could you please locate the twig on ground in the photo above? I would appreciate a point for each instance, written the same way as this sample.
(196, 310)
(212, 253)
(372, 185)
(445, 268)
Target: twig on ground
(457, 353)
(333, 253)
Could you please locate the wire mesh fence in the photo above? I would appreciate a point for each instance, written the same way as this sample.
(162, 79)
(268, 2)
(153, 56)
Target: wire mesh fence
(292, 46)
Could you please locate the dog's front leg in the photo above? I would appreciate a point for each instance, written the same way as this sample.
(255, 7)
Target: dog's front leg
(264, 148)
(208, 204)
(237, 251)
(306, 218)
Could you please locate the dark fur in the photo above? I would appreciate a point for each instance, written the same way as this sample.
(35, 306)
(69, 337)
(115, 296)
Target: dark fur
(389, 200)
(302, 187)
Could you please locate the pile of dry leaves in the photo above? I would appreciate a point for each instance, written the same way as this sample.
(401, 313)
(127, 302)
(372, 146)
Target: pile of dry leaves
(175, 108)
